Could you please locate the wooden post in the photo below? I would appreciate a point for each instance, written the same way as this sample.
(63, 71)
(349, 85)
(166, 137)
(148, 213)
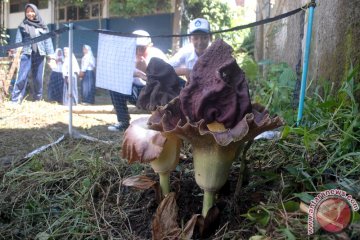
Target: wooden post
(177, 24)
(10, 74)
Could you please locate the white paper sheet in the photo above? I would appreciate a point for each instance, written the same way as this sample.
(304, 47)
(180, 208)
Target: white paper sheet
(115, 63)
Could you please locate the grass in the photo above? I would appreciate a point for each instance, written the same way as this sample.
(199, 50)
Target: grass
(73, 190)
(69, 192)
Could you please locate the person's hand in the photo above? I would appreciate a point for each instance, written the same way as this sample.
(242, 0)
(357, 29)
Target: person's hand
(141, 63)
(50, 56)
(187, 74)
(183, 72)
(52, 63)
(81, 74)
(140, 74)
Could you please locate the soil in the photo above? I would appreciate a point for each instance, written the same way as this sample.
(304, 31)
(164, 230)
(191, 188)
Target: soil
(189, 200)
(30, 125)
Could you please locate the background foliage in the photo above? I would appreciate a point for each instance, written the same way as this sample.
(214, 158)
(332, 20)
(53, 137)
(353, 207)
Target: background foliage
(128, 8)
(222, 17)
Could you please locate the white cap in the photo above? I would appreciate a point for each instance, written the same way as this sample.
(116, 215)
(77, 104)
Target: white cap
(199, 24)
(142, 41)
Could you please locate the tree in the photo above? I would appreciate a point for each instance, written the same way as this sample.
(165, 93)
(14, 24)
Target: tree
(221, 17)
(3, 31)
(128, 8)
(215, 11)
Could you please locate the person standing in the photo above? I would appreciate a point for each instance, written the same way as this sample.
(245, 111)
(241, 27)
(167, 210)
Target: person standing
(144, 52)
(32, 56)
(88, 76)
(184, 60)
(70, 77)
(56, 81)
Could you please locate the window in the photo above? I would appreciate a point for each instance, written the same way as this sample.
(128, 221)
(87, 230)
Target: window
(61, 14)
(95, 10)
(71, 13)
(19, 5)
(86, 11)
(14, 8)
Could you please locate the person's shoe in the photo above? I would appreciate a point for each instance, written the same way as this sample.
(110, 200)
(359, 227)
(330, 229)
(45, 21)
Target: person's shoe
(120, 126)
(86, 104)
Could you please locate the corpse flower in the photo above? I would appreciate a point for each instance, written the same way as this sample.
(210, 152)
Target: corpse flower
(214, 114)
(161, 150)
(145, 145)
(162, 85)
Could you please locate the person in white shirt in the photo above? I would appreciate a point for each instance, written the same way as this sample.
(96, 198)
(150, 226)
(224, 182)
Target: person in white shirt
(144, 52)
(56, 81)
(70, 77)
(184, 60)
(87, 74)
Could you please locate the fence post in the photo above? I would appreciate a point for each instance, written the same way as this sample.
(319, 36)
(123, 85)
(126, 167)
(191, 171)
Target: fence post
(306, 62)
(70, 95)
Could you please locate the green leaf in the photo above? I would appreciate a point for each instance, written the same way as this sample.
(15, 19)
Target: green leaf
(250, 68)
(270, 175)
(291, 206)
(329, 186)
(288, 234)
(86, 183)
(355, 217)
(293, 171)
(304, 196)
(328, 105)
(285, 132)
(298, 130)
(306, 175)
(287, 77)
(258, 214)
(42, 236)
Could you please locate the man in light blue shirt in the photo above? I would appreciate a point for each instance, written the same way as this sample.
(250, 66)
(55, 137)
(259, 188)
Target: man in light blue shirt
(184, 60)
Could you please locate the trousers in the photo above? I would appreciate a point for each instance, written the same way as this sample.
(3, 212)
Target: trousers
(88, 87)
(120, 100)
(35, 64)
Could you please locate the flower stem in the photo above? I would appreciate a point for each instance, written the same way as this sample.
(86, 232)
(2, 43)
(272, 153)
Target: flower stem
(208, 202)
(165, 182)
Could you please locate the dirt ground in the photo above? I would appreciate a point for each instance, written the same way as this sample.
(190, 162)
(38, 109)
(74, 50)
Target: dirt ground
(30, 125)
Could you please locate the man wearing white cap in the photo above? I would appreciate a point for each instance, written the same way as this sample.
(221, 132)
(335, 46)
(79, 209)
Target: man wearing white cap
(144, 52)
(184, 60)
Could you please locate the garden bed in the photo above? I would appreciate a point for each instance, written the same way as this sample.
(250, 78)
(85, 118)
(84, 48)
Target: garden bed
(73, 189)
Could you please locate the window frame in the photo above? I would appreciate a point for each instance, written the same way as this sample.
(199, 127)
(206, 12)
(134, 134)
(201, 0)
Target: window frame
(21, 5)
(58, 14)
(88, 5)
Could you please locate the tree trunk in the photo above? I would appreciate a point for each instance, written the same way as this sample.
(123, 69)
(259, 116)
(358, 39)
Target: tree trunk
(334, 44)
(177, 24)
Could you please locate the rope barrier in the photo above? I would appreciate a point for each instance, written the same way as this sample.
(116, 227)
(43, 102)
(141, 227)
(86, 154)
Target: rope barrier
(237, 28)
(34, 40)
(81, 28)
